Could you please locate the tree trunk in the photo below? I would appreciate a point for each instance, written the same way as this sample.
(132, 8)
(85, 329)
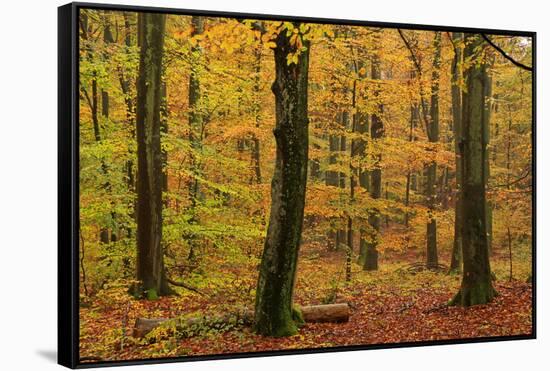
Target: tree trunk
(196, 123)
(274, 315)
(257, 178)
(107, 39)
(341, 236)
(362, 126)
(412, 125)
(476, 287)
(349, 250)
(331, 179)
(150, 262)
(456, 102)
(509, 235)
(433, 137)
(377, 132)
(487, 170)
(125, 84)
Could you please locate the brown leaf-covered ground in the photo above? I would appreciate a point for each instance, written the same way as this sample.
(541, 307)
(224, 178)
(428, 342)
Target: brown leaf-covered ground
(388, 306)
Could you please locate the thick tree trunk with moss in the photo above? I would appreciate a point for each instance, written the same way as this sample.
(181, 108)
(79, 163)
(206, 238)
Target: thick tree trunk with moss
(433, 137)
(456, 256)
(274, 314)
(376, 132)
(476, 287)
(150, 262)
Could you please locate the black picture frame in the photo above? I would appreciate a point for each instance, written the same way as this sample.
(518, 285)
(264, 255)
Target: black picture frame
(68, 182)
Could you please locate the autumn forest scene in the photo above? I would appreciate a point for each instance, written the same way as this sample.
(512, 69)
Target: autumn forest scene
(257, 185)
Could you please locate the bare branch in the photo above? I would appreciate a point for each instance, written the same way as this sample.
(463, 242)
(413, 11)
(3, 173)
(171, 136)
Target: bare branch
(505, 55)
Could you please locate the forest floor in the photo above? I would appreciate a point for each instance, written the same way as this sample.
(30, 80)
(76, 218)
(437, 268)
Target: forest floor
(391, 305)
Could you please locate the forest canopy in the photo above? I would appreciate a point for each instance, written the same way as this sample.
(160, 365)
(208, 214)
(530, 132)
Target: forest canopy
(299, 185)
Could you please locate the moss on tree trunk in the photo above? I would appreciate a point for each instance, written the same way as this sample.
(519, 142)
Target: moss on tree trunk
(274, 315)
(476, 287)
(150, 262)
(456, 256)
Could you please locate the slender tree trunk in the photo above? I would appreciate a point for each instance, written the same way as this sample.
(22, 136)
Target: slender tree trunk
(377, 132)
(487, 170)
(274, 315)
(456, 102)
(257, 178)
(477, 286)
(412, 125)
(196, 123)
(433, 137)
(125, 85)
(341, 234)
(108, 39)
(331, 179)
(362, 126)
(352, 181)
(509, 234)
(150, 260)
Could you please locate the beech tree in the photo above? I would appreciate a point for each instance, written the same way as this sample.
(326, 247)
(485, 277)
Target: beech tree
(456, 254)
(274, 314)
(398, 118)
(433, 137)
(196, 124)
(150, 257)
(376, 132)
(477, 285)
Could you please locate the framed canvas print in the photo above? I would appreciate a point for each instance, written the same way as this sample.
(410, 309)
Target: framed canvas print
(236, 185)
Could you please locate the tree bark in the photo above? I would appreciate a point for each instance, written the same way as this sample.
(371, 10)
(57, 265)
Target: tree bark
(125, 85)
(456, 102)
(352, 182)
(341, 234)
(255, 158)
(433, 137)
(331, 179)
(376, 132)
(107, 39)
(196, 122)
(487, 168)
(363, 127)
(150, 262)
(476, 287)
(413, 123)
(274, 315)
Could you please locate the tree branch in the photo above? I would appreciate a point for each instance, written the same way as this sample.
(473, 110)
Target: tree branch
(185, 286)
(409, 47)
(423, 103)
(505, 55)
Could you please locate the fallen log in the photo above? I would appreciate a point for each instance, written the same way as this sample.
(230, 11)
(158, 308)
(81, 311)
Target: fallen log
(326, 313)
(314, 313)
